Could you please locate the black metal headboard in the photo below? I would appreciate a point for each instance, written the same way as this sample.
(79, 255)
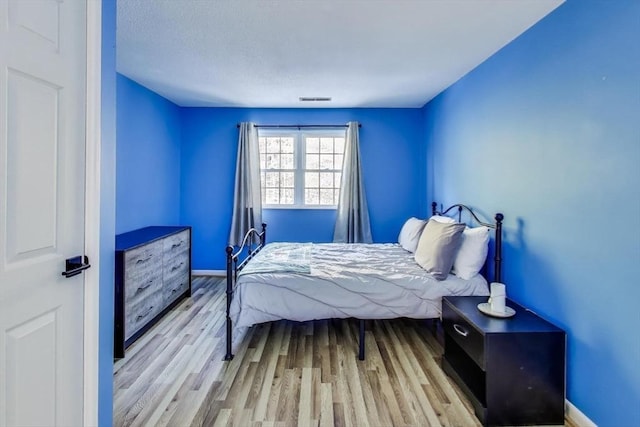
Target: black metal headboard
(497, 258)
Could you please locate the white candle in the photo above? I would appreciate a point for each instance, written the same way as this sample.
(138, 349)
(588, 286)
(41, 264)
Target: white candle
(498, 297)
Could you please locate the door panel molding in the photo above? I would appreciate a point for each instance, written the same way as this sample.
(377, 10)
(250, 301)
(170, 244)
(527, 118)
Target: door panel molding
(31, 201)
(31, 369)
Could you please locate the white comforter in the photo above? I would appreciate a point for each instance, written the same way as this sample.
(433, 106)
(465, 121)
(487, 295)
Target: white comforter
(304, 281)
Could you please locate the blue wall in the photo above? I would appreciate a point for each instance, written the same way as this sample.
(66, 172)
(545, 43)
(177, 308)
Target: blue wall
(547, 131)
(107, 213)
(392, 152)
(148, 158)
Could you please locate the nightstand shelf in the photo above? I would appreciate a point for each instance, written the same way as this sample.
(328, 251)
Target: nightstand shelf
(512, 369)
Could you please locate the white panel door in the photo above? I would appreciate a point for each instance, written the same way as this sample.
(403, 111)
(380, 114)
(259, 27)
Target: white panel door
(42, 193)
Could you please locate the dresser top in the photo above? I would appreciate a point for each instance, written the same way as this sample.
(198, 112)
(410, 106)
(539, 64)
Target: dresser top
(523, 321)
(134, 238)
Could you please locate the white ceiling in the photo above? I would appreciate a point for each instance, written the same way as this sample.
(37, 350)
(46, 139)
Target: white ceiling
(268, 53)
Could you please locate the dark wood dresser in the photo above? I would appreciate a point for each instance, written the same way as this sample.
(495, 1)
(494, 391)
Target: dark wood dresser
(512, 369)
(153, 273)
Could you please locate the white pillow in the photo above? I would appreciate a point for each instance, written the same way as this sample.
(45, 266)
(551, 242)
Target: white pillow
(410, 233)
(443, 219)
(472, 253)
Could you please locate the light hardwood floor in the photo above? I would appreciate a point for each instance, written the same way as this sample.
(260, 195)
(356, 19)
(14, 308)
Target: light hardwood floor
(284, 373)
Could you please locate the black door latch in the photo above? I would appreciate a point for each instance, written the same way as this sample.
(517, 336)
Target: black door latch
(76, 265)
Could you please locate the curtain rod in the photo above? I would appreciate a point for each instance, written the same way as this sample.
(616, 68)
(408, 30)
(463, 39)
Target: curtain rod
(300, 126)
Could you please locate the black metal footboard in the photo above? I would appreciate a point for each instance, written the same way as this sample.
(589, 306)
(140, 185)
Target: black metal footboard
(249, 248)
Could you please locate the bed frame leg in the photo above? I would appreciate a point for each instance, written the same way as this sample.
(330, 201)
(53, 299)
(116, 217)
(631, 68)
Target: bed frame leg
(229, 356)
(361, 344)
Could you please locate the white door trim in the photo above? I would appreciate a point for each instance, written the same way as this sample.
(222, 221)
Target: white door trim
(92, 213)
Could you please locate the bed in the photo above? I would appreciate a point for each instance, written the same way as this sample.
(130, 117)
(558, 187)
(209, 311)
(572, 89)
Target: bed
(307, 281)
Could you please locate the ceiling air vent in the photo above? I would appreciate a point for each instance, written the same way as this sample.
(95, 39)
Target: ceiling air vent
(314, 98)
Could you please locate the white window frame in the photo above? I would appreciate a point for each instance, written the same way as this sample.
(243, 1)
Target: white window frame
(299, 151)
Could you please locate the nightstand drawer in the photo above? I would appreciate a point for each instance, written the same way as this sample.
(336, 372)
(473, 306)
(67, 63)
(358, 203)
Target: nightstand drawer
(461, 331)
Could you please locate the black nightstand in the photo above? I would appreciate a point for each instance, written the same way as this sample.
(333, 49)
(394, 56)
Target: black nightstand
(512, 369)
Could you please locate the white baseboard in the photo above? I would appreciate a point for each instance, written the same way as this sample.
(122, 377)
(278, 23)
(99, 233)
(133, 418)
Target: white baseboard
(576, 416)
(217, 273)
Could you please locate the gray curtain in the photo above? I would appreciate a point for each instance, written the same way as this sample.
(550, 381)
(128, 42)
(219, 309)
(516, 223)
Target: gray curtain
(247, 200)
(352, 222)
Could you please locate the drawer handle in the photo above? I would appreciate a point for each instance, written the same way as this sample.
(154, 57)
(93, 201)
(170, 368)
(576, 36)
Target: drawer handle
(140, 261)
(143, 287)
(176, 289)
(175, 267)
(145, 314)
(459, 329)
(176, 245)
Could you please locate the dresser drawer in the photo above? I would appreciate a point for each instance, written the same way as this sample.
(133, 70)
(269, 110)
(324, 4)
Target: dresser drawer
(176, 243)
(176, 278)
(141, 260)
(139, 313)
(175, 287)
(465, 335)
(143, 285)
(176, 266)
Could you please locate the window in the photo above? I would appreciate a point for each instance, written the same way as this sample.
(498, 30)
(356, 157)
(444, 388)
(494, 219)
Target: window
(301, 169)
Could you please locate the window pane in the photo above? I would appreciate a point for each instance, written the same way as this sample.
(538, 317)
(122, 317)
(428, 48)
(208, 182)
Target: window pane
(313, 161)
(312, 196)
(326, 145)
(286, 179)
(336, 195)
(338, 176)
(273, 161)
(272, 179)
(273, 145)
(338, 161)
(326, 161)
(326, 180)
(286, 196)
(286, 161)
(311, 179)
(261, 144)
(339, 148)
(326, 197)
(286, 145)
(271, 196)
(263, 160)
(313, 145)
